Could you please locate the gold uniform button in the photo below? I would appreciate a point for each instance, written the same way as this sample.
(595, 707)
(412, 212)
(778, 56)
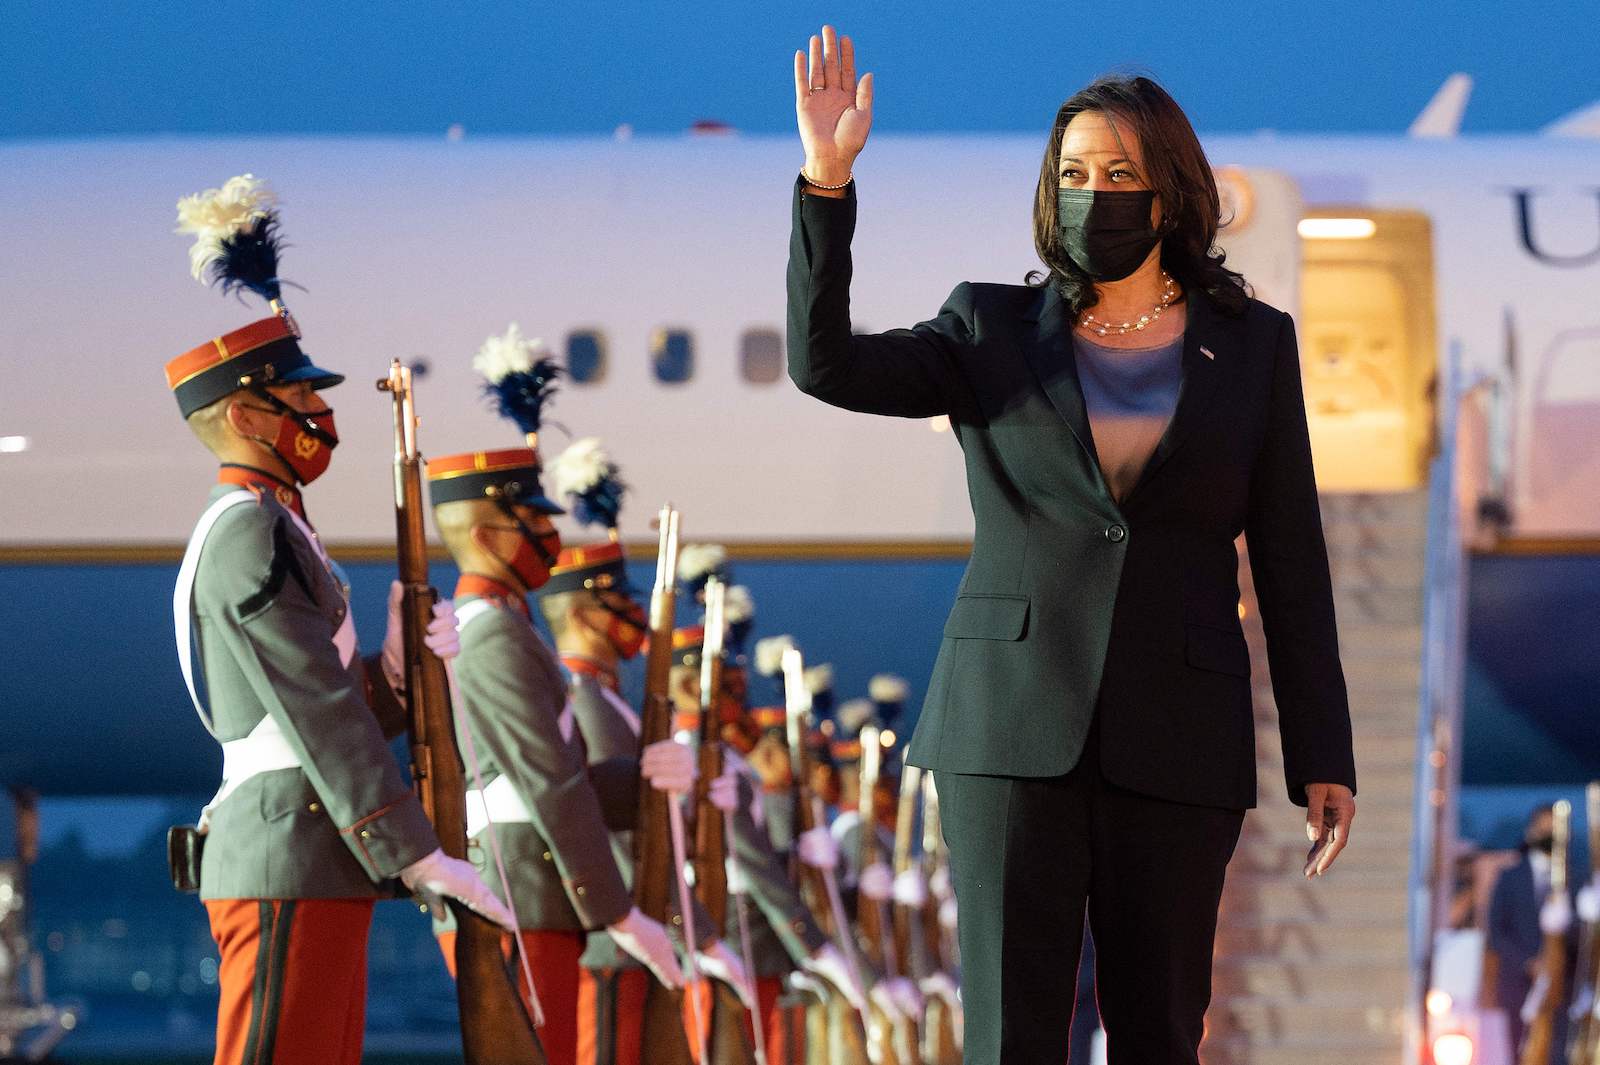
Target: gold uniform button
(365, 834)
(315, 807)
(676, 919)
(580, 890)
(547, 856)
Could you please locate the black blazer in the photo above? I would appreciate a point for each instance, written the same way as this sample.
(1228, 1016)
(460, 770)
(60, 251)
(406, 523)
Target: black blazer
(1073, 606)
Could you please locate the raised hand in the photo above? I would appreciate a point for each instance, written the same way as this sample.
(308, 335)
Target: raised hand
(832, 108)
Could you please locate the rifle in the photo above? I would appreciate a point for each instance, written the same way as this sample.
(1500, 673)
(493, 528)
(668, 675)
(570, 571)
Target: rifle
(1551, 984)
(940, 1042)
(1583, 1032)
(835, 1032)
(495, 1025)
(711, 831)
(875, 917)
(662, 1030)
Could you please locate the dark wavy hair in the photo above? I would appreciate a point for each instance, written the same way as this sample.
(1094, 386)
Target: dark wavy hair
(1175, 169)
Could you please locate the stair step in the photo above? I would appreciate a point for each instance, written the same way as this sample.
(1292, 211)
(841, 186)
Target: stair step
(1259, 1017)
(1304, 937)
(1345, 892)
(1378, 980)
(1350, 1049)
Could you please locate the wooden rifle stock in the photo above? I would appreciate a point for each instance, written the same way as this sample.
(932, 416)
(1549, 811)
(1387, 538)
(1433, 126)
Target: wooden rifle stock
(1540, 1037)
(908, 939)
(728, 1044)
(872, 915)
(662, 1025)
(495, 1026)
(845, 1042)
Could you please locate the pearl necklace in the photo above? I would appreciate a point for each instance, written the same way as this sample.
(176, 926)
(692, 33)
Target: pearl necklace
(1169, 293)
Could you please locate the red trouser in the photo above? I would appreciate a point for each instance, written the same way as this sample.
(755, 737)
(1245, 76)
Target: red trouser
(610, 1002)
(784, 1027)
(293, 976)
(553, 956)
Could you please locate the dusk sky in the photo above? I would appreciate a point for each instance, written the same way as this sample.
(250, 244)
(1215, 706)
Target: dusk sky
(99, 67)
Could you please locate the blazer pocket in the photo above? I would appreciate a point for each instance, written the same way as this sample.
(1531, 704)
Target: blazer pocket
(1219, 650)
(988, 617)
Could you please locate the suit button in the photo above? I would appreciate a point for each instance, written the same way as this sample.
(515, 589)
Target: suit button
(314, 807)
(1116, 533)
(547, 856)
(580, 890)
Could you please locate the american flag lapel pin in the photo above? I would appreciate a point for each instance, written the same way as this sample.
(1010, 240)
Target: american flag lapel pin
(1207, 352)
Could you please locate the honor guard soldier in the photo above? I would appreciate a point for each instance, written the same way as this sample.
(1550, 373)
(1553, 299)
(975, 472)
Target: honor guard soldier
(538, 802)
(590, 607)
(313, 817)
(784, 936)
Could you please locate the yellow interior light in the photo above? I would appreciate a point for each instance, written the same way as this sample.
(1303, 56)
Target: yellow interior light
(1453, 1048)
(1337, 228)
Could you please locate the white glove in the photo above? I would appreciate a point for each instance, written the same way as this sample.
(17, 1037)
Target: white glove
(394, 647)
(720, 963)
(885, 1000)
(1588, 904)
(910, 890)
(939, 883)
(939, 986)
(724, 790)
(947, 913)
(1555, 916)
(876, 882)
(438, 877)
(906, 996)
(830, 964)
(648, 942)
(817, 848)
(669, 766)
(441, 637)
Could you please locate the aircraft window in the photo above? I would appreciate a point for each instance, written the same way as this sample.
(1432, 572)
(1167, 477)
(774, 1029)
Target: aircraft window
(761, 356)
(672, 355)
(586, 356)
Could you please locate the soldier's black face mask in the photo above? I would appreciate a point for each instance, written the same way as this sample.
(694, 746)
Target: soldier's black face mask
(1106, 234)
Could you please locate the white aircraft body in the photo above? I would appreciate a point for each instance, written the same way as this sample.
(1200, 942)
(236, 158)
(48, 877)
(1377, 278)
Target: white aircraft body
(621, 248)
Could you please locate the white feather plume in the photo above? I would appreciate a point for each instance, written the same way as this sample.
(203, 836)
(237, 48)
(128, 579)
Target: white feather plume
(217, 214)
(854, 714)
(888, 688)
(579, 468)
(738, 605)
(819, 679)
(507, 353)
(769, 654)
(697, 560)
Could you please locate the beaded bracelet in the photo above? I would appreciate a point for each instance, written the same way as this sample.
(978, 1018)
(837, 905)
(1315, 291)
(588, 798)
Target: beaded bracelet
(827, 188)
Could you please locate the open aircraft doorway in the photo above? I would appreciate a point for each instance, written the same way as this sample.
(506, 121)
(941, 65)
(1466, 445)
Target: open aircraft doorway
(1367, 349)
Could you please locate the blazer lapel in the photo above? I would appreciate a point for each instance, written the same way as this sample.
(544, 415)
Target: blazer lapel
(1049, 355)
(1209, 343)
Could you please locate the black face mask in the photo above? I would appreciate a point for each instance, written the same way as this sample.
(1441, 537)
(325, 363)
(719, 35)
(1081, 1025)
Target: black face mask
(1107, 235)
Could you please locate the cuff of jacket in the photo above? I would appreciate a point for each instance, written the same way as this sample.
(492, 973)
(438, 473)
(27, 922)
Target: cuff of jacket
(824, 218)
(388, 840)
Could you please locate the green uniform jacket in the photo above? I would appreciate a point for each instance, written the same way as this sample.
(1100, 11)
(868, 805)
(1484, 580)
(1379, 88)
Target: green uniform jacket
(782, 930)
(610, 735)
(266, 608)
(562, 874)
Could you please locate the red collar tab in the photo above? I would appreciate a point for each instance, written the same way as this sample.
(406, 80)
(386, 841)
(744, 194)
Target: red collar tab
(260, 481)
(475, 584)
(583, 665)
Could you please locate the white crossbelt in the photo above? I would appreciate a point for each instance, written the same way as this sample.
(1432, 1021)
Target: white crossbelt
(498, 803)
(265, 749)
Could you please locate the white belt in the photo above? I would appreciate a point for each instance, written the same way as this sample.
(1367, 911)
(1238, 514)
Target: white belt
(498, 803)
(263, 751)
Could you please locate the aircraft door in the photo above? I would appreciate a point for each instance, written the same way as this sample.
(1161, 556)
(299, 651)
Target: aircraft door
(1367, 347)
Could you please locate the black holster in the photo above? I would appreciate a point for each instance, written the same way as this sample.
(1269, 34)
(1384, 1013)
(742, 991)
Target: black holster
(185, 845)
